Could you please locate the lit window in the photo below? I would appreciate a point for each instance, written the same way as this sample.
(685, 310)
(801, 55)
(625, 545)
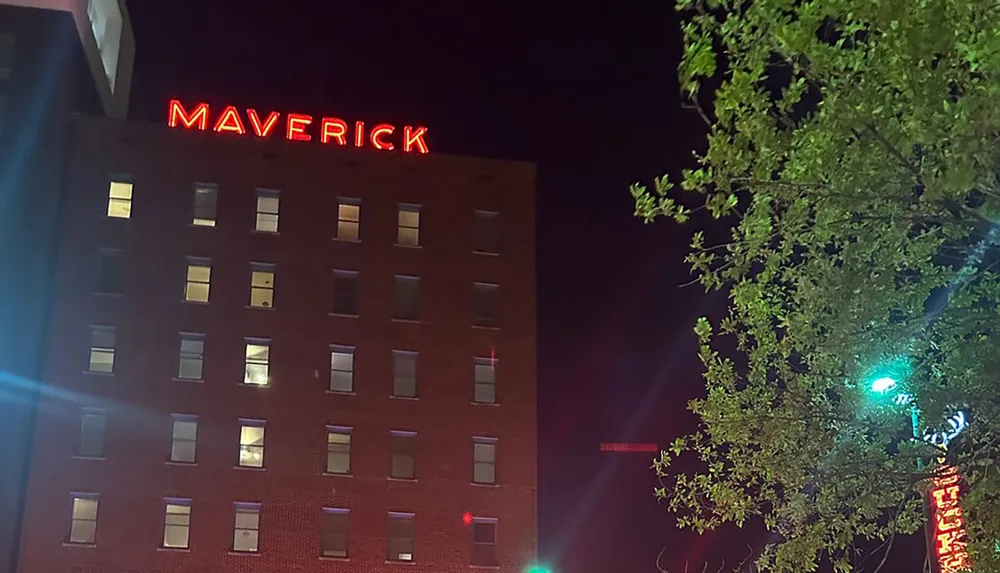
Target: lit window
(345, 292)
(252, 443)
(487, 239)
(484, 469)
(102, 349)
(338, 450)
(6, 55)
(408, 226)
(406, 298)
(93, 424)
(110, 272)
(403, 454)
(206, 198)
(257, 358)
(83, 520)
(262, 286)
(485, 376)
(341, 369)
(334, 532)
(267, 211)
(199, 279)
(184, 438)
(400, 536)
(246, 534)
(192, 356)
(349, 219)
(404, 384)
(486, 304)
(484, 542)
(120, 199)
(176, 523)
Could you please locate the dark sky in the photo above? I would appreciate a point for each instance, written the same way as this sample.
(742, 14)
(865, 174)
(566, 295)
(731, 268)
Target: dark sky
(591, 97)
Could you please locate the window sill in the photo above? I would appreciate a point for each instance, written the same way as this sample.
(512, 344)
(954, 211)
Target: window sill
(401, 562)
(487, 485)
(346, 240)
(174, 549)
(494, 567)
(332, 474)
(344, 315)
(197, 302)
(92, 373)
(181, 464)
(404, 480)
(249, 468)
(84, 545)
(410, 398)
(406, 320)
(192, 380)
(474, 403)
(485, 327)
(244, 384)
(260, 232)
(203, 226)
(252, 307)
(329, 558)
(485, 253)
(95, 458)
(341, 393)
(235, 552)
(108, 294)
(407, 247)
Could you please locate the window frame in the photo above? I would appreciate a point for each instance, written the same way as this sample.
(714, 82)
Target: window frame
(206, 222)
(479, 321)
(175, 440)
(494, 522)
(341, 276)
(249, 362)
(197, 263)
(398, 378)
(189, 356)
(476, 462)
(123, 203)
(96, 350)
(73, 520)
(345, 220)
(176, 502)
(410, 519)
(490, 363)
(246, 508)
(86, 413)
(343, 514)
(407, 441)
(262, 269)
(484, 222)
(403, 309)
(267, 194)
(103, 256)
(330, 446)
(342, 350)
(250, 446)
(402, 228)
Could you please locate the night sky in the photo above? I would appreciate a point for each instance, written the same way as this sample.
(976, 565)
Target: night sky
(588, 95)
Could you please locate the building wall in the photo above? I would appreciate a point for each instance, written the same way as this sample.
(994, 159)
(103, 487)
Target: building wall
(134, 478)
(42, 87)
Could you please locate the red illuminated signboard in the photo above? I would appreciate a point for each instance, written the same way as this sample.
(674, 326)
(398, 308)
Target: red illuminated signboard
(949, 538)
(297, 127)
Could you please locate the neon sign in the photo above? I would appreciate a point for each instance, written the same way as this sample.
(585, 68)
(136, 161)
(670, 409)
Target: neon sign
(628, 447)
(298, 127)
(949, 535)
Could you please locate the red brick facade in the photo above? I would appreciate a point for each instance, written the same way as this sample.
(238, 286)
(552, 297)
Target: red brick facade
(134, 477)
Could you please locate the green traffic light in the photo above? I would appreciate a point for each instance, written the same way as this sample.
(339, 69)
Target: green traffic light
(883, 384)
(537, 569)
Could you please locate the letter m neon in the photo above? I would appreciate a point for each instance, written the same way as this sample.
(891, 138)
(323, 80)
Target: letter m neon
(177, 116)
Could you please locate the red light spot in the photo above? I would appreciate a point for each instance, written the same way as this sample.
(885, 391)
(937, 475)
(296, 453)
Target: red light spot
(493, 357)
(466, 518)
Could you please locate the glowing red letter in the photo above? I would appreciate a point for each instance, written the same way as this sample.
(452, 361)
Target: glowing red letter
(262, 130)
(333, 128)
(297, 123)
(230, 121)
(414, 137)
(359, 133)
(197, 119)
(377, 132)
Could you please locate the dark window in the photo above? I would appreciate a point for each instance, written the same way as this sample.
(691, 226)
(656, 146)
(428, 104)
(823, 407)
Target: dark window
(484, 543)
(110, 272)
(487, 238)
(403, 453)
(206, 198)
(92, 430)
(406, 298)
(336, 527)
(486, 305)
(400, 537)
(345, 292)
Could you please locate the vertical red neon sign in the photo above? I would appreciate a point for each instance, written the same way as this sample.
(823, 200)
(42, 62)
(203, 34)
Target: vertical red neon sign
(949, 535)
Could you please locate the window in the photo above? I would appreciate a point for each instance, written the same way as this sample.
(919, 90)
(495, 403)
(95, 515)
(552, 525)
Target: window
(267, 211)
(404, 384)
(110, 272)
(403, 454)
(349, 219)
(120, 199)
(199, 279)
(486, 304)
(93, 424)
(484, 542)
(408, 225)
(487, 232)
(338, 450)
(252, 443)
(183, 438)
(406, 298)
(257, 358)
(192, 356)
(206, 198)
(341, 369)
(484, 455)
(345, 292)
(485, 376)
(6, 55)
(246, 534)
(262, 285)
(83, 519)
(334, 532)
(176, 523)
(400, 536)
(102, 349)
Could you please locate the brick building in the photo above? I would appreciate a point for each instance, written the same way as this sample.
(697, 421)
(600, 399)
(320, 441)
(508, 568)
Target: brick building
(280, 356)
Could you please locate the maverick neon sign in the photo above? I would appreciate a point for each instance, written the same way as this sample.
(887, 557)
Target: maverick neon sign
(947, 523)
(298, 127)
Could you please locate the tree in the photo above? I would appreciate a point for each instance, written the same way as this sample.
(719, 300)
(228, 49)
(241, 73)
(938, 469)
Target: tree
(852, 161)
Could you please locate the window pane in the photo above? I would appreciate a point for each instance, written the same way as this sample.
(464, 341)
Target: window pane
(245, 540)
(175, 536)
(185, 430)
(103, 337)
(83, 532)
(485, 393)
(345, 293)
(267, 204)
(182, 451)
(102, 361)
(347, 212)
(484, 473)
(247, 519)
(406, 298)
(483, 532)
(408, 237)
(190, 368)
(120, 199)
(84, 508)
(334, 533)
(486, 305)
(409, 218)
(92, 430)
(484, 452)
(262, 297)
(486, 239)
(205, 200)
(338, 458)
(402, 466)
(252, 446)
(199, 273)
